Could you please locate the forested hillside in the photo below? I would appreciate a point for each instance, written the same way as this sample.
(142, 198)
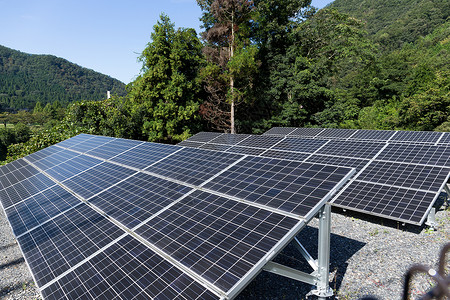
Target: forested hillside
(26, 79)
(394, 23)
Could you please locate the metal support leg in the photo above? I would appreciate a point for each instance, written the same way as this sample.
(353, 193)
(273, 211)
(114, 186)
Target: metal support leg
(323, 289)
(431, 219)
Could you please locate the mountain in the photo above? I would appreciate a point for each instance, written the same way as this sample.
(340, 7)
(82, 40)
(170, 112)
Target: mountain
(393, 23)
(27, 78)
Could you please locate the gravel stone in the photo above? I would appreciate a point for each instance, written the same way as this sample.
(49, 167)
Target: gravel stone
(369, 256)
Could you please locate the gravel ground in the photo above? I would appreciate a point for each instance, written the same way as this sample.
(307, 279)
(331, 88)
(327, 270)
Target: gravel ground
(369, 256)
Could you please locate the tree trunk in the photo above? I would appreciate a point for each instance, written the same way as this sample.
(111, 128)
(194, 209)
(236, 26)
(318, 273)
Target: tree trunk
(233, 130)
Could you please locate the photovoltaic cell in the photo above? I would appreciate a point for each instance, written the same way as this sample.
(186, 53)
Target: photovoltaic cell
(204, 137)
(134, 200)
(299, 145)
(188, 143)
(113, 148)
(217, 238)
(405, 175)
(280, 130)
(15, 174)
(24, 189)
(54, 159)
(353, 149)
(416, 136)
(192, 165)
(306, 132)
(75, 140)
(445, 138)
(336, 133)
(91, 143)
(260, 141)
(72, 167)
(417, 153)
(229, 139)
(398, 203)
(215, 147)
(246, 150)
(66, 241)
(289, 186)
(97, 179)
(127, 270)
(356, 163)
(43, 153)
(377, 135)
(144, 155)
(39, 208)
(285, 155)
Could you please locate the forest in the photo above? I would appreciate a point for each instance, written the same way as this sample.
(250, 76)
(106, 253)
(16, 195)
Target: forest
(26, 79)
(257, 64)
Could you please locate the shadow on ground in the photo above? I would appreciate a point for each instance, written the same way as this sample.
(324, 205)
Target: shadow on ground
(270, 286)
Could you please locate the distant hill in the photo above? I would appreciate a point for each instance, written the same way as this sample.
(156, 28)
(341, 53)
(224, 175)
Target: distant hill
(27, 78)
(394, 23)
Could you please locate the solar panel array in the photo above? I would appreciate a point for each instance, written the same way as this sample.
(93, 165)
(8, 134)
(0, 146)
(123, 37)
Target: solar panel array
(103, 218)
(395, 178)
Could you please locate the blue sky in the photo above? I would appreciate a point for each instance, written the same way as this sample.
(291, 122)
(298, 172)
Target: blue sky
(104, 35)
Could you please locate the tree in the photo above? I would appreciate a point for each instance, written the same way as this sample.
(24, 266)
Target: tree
(167, 91)
(231, 59)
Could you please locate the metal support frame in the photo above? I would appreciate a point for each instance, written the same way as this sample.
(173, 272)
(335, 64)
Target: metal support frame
(431, 219)
(320, 277)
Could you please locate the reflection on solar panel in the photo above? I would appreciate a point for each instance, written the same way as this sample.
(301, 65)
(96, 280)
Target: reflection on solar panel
(385, 159)
(103, 218)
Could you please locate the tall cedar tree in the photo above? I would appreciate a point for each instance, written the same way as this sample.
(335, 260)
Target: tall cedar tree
(166, 93)
(231, 59)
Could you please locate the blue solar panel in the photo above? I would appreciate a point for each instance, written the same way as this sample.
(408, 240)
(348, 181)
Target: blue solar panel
(111, 218)
(292, 187)
(144, 155)
(193, 166)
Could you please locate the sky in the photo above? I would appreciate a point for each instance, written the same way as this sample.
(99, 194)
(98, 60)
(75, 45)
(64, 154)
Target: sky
(106, 36)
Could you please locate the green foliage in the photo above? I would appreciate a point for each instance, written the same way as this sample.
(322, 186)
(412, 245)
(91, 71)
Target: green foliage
(396, 23)
(26, 79)
(166, 94)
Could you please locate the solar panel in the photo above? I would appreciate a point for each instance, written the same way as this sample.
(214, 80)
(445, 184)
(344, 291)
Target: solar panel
(419, 167)
(306, 132)
(204, 137)
(285, 155)
(416, 136)
(378, 135)
(215, 147)
(148, 153)
(405, 175)
(193, 166)
(299, 145)
(246, 150)
(288, 186)
(126, 219)
(113, 148)
(336, 133)
(356, 163)
(402, 204)
(354, 149)
(418, 154)
(229, 139)
(280, 130)
(445, 139)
